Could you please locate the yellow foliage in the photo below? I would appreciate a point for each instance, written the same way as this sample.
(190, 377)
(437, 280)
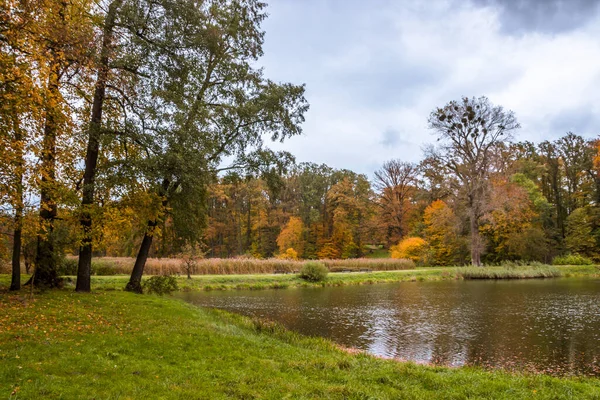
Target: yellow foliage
(412, 248)
(290, 254)
(291, 236)
(440, 230)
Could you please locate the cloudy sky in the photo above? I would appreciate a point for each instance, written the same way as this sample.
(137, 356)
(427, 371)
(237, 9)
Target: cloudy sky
(375, 69)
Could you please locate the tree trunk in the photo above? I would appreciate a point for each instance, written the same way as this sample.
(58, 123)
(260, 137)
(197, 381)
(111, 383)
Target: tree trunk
(84, 268)
(475, 241)
(135, 280)
(15, 283)
(45, 273)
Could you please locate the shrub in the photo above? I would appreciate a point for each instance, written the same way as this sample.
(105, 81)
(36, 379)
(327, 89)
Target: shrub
(412, 248)
(67, 266)
(314, 271)
(572, 259)
(104, 268)
(160, 284)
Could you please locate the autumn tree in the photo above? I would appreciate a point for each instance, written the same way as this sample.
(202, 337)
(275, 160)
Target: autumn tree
(396, 182)
(291, 236)
(19, 120)
(442, 231)
(469, 132)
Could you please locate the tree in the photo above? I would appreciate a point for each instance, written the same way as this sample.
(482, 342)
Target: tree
(442, 231)
(396, 182)
(56, 36)
(469, 132)
(291, 236)
(511, 218)
(579, 228)
(94, 129)
(19, 119)
(412, 248)
(208, 101)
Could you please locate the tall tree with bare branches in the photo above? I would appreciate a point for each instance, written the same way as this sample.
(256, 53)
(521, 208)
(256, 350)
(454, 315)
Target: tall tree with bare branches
(469, 131)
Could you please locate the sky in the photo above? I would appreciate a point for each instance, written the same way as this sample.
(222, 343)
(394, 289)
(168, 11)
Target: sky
(374, 70)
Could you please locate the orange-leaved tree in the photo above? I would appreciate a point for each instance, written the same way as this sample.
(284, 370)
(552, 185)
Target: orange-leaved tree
(413, 248)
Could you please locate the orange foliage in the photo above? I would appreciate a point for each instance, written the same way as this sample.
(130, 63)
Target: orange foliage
(412, 248)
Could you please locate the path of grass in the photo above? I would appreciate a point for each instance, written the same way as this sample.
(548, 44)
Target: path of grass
(120, 345)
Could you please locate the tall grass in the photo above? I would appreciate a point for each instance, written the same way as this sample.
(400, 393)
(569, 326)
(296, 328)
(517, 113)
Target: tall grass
(227, 266)
(507, 272)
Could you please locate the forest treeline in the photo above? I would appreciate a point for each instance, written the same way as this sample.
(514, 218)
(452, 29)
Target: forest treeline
(137, 128)
(541, 201)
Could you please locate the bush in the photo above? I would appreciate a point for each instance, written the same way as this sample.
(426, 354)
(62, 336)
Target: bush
(572, 259)
(160, 284)
(314, 271)
(412, 248)
(67, 266)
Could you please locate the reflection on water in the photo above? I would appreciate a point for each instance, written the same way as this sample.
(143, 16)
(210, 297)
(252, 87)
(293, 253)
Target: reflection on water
(541, 325)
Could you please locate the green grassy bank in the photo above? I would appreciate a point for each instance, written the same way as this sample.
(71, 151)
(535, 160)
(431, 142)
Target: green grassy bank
(120, 345)
(281, 281)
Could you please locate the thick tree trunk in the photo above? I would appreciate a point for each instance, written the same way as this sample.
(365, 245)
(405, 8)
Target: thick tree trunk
(15, 283)
(135, 280)
(45, 273)
(84, 268)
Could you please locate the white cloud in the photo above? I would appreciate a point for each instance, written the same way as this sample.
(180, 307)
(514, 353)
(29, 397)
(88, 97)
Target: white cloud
(371, 70)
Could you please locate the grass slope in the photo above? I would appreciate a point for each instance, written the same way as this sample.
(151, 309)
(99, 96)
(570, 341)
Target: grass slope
(119, 345)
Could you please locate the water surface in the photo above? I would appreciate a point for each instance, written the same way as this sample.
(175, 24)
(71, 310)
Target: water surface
(551, 325)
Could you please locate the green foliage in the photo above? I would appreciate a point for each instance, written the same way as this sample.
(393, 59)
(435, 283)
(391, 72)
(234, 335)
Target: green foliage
(579, 238)
(572, 259)
(160, 284)
(67, 266)
(314, 271)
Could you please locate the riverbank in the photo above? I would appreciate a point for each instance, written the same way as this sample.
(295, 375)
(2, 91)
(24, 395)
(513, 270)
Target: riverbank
(283, 281)
(120, 345)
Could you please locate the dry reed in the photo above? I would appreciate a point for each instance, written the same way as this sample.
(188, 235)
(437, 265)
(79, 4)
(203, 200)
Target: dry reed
(225, 266)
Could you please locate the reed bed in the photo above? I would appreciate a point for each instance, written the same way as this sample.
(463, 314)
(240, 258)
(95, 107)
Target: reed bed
(231, 266)
(524, 272)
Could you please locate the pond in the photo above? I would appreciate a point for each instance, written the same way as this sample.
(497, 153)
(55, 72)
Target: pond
(550, 326)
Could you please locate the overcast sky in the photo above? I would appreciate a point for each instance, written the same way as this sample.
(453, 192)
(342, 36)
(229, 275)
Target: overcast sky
(375, 69)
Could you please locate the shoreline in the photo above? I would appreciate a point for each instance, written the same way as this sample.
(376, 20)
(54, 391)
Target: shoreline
(289, 281)
(112, 344)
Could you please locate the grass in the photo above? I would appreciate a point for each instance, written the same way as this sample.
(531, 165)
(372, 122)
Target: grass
(525, 272)
(283, 281)
(121, 345)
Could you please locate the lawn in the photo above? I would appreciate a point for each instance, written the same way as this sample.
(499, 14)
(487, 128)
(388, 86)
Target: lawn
(112, 344)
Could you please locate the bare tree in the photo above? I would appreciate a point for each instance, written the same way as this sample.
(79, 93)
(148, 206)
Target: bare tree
(396, 181)
(469, 132)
